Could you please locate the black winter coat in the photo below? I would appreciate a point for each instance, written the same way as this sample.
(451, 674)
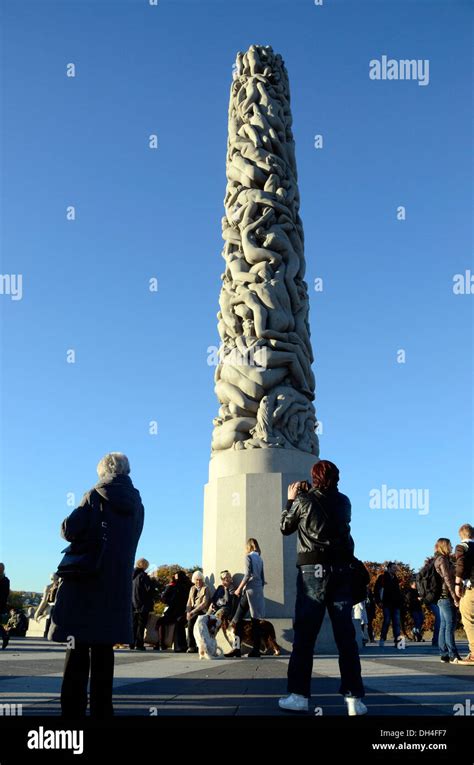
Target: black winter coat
(4, 593)
(322, 520)
(175, 597)
(143, 590)
(99, 610)
(387, 591)
(412, 601)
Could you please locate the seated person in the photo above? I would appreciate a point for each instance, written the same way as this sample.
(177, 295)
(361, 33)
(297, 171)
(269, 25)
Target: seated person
(17, 624)
(223, 598)
(198, 604)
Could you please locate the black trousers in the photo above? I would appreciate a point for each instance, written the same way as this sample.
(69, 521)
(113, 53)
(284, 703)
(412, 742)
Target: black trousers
(140, 619)
(316, 592)
(238, 619)
(180, 634)
(99, 660)
(190, 628)
(370, 628)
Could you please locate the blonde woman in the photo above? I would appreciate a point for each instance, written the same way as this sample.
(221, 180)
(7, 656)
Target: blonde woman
(448, 601)
(250, 591)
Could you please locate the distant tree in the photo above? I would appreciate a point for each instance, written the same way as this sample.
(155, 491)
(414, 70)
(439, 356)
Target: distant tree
(16, 599)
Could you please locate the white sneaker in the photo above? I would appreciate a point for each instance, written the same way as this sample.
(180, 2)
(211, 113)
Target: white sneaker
(355, 706)
(294, 703)
(381, 643)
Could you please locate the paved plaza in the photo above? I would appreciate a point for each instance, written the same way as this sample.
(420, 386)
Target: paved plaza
(410, 682)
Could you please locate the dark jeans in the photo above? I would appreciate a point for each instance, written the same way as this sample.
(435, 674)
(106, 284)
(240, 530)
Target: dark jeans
(100, 660)
(435, 610)
(418, 619)
(180, 634)
(390, 615)
(370, 628)
(448, 620)
(241, 612)
(314, 594)
(140, 619)
(190, 628)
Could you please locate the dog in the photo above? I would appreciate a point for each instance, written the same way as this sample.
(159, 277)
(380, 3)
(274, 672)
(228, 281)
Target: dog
(204, 632)
(268, 638)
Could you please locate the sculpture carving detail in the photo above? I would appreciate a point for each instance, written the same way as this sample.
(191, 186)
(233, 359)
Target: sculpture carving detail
(264, 380)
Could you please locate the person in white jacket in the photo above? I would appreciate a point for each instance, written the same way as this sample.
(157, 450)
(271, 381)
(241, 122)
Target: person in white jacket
(359, 612)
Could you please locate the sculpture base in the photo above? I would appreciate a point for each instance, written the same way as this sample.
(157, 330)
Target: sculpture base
(36, 628)
(246, 492)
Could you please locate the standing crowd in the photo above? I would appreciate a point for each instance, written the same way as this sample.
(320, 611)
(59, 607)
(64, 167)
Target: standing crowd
(445, 586)
(99, 598)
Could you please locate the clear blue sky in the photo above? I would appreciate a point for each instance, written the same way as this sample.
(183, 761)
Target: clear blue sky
(141, 213)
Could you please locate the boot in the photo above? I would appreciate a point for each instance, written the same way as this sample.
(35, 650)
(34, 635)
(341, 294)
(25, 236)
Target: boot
(235, 654)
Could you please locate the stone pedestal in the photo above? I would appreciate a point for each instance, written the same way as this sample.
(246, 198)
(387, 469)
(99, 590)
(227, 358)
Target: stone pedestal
(36, 628)
(246, 492)
(244, 498)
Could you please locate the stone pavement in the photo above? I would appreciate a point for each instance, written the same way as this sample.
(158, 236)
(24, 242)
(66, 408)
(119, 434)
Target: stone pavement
(410, 682)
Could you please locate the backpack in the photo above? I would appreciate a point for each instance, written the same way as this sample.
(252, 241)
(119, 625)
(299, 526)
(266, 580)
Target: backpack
(469, 548)
(429, 584)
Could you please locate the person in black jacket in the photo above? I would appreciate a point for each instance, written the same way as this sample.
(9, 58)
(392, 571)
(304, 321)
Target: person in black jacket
(4, 595)
(92, 614)
(414, 607)
(325, 549)
(183, 587)
(175, 597)
(143, 597)
(387, 594)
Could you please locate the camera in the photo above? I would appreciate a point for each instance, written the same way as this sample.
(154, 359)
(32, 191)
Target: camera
(303, 487)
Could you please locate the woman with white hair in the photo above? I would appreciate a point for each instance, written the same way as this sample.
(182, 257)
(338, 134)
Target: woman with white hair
(198, 602)
(93, 610)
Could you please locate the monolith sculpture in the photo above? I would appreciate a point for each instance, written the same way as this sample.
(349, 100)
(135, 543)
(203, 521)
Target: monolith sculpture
(264, 433)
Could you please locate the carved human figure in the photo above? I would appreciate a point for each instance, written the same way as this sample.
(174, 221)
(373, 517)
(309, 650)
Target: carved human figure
(264, 381)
